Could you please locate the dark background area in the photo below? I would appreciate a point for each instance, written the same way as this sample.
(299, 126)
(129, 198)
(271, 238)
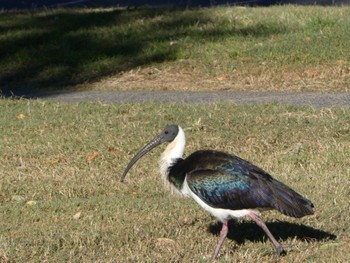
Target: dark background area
(32, 4)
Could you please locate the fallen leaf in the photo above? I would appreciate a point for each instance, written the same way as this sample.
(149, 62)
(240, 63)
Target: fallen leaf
(31, 203)
(92, 156)
(20, 116)
(221, 77)
(77, 216)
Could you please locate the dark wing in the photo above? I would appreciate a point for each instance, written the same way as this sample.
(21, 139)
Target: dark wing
(237, 184)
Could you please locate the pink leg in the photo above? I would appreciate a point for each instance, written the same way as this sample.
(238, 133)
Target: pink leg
(259, 222)
(223, 234)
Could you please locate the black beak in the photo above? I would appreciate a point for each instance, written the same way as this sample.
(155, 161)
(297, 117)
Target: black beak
(152, 144)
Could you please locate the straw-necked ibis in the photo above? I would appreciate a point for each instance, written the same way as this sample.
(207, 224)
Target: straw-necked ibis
(225, 185)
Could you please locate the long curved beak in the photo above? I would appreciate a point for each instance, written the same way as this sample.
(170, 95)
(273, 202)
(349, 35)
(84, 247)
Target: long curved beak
(152, 144)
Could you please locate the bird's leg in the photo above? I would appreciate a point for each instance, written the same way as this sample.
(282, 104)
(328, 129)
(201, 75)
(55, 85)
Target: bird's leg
(223, 234)
(259, 222)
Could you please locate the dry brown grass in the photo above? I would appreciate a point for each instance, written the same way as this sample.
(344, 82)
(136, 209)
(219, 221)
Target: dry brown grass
(181, 77)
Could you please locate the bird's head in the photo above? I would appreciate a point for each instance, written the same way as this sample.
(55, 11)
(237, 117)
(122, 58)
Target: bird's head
(167, 135)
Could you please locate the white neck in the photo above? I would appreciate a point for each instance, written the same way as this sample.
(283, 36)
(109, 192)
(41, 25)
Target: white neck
(172, 152)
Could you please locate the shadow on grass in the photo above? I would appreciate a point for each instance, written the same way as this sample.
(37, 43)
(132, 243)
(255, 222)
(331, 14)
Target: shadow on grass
(55, 50)
(242, 231)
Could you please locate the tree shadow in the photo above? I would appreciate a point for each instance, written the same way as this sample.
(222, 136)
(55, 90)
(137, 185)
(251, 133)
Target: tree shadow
(242, 231)
(59, 49)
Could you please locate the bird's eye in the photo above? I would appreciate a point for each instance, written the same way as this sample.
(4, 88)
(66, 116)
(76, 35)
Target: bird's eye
(166, 132)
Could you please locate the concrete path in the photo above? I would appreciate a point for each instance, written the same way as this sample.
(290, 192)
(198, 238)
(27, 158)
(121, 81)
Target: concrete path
(309, 98)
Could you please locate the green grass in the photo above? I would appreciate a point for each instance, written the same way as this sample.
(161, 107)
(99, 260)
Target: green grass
(49, 175)
(274, 48)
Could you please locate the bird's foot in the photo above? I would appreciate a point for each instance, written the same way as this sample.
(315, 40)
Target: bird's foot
(280, 251)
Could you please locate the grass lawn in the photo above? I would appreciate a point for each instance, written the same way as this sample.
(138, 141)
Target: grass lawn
(284, 48)
(60, 198)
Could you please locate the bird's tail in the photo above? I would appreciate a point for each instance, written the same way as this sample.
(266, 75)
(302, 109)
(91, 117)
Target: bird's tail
(289, 202)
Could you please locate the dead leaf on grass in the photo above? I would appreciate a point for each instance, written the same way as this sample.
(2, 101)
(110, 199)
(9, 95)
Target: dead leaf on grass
(77, 216)
(221, 77)
(20, 116)
(31, 203)
(92, 156)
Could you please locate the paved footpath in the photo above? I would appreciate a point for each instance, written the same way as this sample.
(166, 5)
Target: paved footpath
(315, 99)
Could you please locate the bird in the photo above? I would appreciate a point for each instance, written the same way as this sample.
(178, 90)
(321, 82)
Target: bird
(225, 185)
